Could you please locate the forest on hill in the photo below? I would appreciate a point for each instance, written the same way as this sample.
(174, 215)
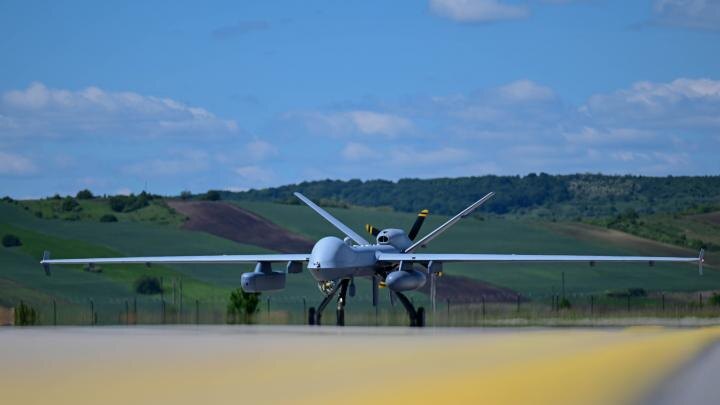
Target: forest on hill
(542, 195)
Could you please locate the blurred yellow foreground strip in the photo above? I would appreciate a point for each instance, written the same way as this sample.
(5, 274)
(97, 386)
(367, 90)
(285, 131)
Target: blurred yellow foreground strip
(249, 365)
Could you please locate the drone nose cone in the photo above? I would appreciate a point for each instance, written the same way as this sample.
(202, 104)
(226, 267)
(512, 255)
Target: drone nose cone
(330, 252)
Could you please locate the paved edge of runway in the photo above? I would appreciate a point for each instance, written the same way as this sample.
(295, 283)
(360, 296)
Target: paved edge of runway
(693, 383)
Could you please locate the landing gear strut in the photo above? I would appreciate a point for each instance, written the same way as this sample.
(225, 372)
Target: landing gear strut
(315, 316)
(417, 317)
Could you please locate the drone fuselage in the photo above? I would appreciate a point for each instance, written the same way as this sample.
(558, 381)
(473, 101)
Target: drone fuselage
(333, 259)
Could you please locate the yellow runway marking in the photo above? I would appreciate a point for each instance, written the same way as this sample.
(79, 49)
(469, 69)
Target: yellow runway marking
(301, 365)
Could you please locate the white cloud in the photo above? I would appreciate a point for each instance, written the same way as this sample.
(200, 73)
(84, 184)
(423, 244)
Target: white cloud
(693, 14)
(181, 162)
(13, 164)
(255, 174)
(682, 103)
(525, 91)
(359, 152)
(260, 150)
(478, 10)
(39, 110)
(597, 136)
(353, 122)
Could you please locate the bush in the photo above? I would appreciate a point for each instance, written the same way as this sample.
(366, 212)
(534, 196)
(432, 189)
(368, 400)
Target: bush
(69, 204)
(108, 218)
(242, 306)
(637, 292)
(25, 315)
(715, 299)
(185, 195)
(84, 195)
(212, 195)
(564, 304)
(10, 240)
(148, 285)
(128, 203)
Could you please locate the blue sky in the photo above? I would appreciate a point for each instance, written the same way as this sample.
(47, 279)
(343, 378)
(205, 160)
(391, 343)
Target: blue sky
(234, 95)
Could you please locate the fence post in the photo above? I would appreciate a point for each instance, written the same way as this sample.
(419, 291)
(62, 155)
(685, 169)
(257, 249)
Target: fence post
(448, 310)
(92, 312)
(54, 313)
(592, 305)
(700, 299)
(663, 302)
(268, 309)
(135, 315)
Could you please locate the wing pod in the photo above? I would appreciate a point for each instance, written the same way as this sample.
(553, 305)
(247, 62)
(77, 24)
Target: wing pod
(263, 279)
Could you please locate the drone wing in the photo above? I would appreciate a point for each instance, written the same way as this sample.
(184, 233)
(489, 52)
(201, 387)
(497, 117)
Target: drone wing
(217, 259)
(336, 223)
(499, 258)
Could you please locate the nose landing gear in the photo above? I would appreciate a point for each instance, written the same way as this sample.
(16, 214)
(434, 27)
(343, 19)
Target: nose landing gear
(315, 316)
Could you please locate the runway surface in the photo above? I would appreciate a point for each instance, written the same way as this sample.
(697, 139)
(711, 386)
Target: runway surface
(224, 364)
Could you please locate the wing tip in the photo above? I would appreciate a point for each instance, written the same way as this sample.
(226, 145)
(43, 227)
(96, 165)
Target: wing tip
(44, 262)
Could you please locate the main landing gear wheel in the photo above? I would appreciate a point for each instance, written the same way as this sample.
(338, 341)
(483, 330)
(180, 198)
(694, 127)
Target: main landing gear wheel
(311, 316)
(417, 317)
(420, 317)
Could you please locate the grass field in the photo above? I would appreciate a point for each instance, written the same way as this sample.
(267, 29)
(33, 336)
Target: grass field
(22, 278)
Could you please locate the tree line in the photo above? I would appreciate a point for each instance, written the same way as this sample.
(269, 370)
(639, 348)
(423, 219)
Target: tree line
(542, 195)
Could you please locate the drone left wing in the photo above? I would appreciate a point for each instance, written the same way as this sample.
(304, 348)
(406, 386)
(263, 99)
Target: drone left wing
(216, 259)
(498, 258)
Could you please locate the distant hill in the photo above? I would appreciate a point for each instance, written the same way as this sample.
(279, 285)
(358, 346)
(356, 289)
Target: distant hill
(540, 195)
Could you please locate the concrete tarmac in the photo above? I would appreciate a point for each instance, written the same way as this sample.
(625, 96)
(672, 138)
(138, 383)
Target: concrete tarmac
(266, 364)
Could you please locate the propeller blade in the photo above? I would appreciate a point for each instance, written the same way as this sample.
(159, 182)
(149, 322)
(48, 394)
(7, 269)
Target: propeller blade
(371, 230)
(418, 223)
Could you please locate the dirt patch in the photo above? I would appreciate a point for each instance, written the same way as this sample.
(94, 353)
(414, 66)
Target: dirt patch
(642, 246)
(232, 222)
(7, 316)
(712, 218)
(465, 289)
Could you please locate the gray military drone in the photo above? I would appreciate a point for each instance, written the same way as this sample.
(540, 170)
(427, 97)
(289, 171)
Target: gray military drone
(392, 262)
